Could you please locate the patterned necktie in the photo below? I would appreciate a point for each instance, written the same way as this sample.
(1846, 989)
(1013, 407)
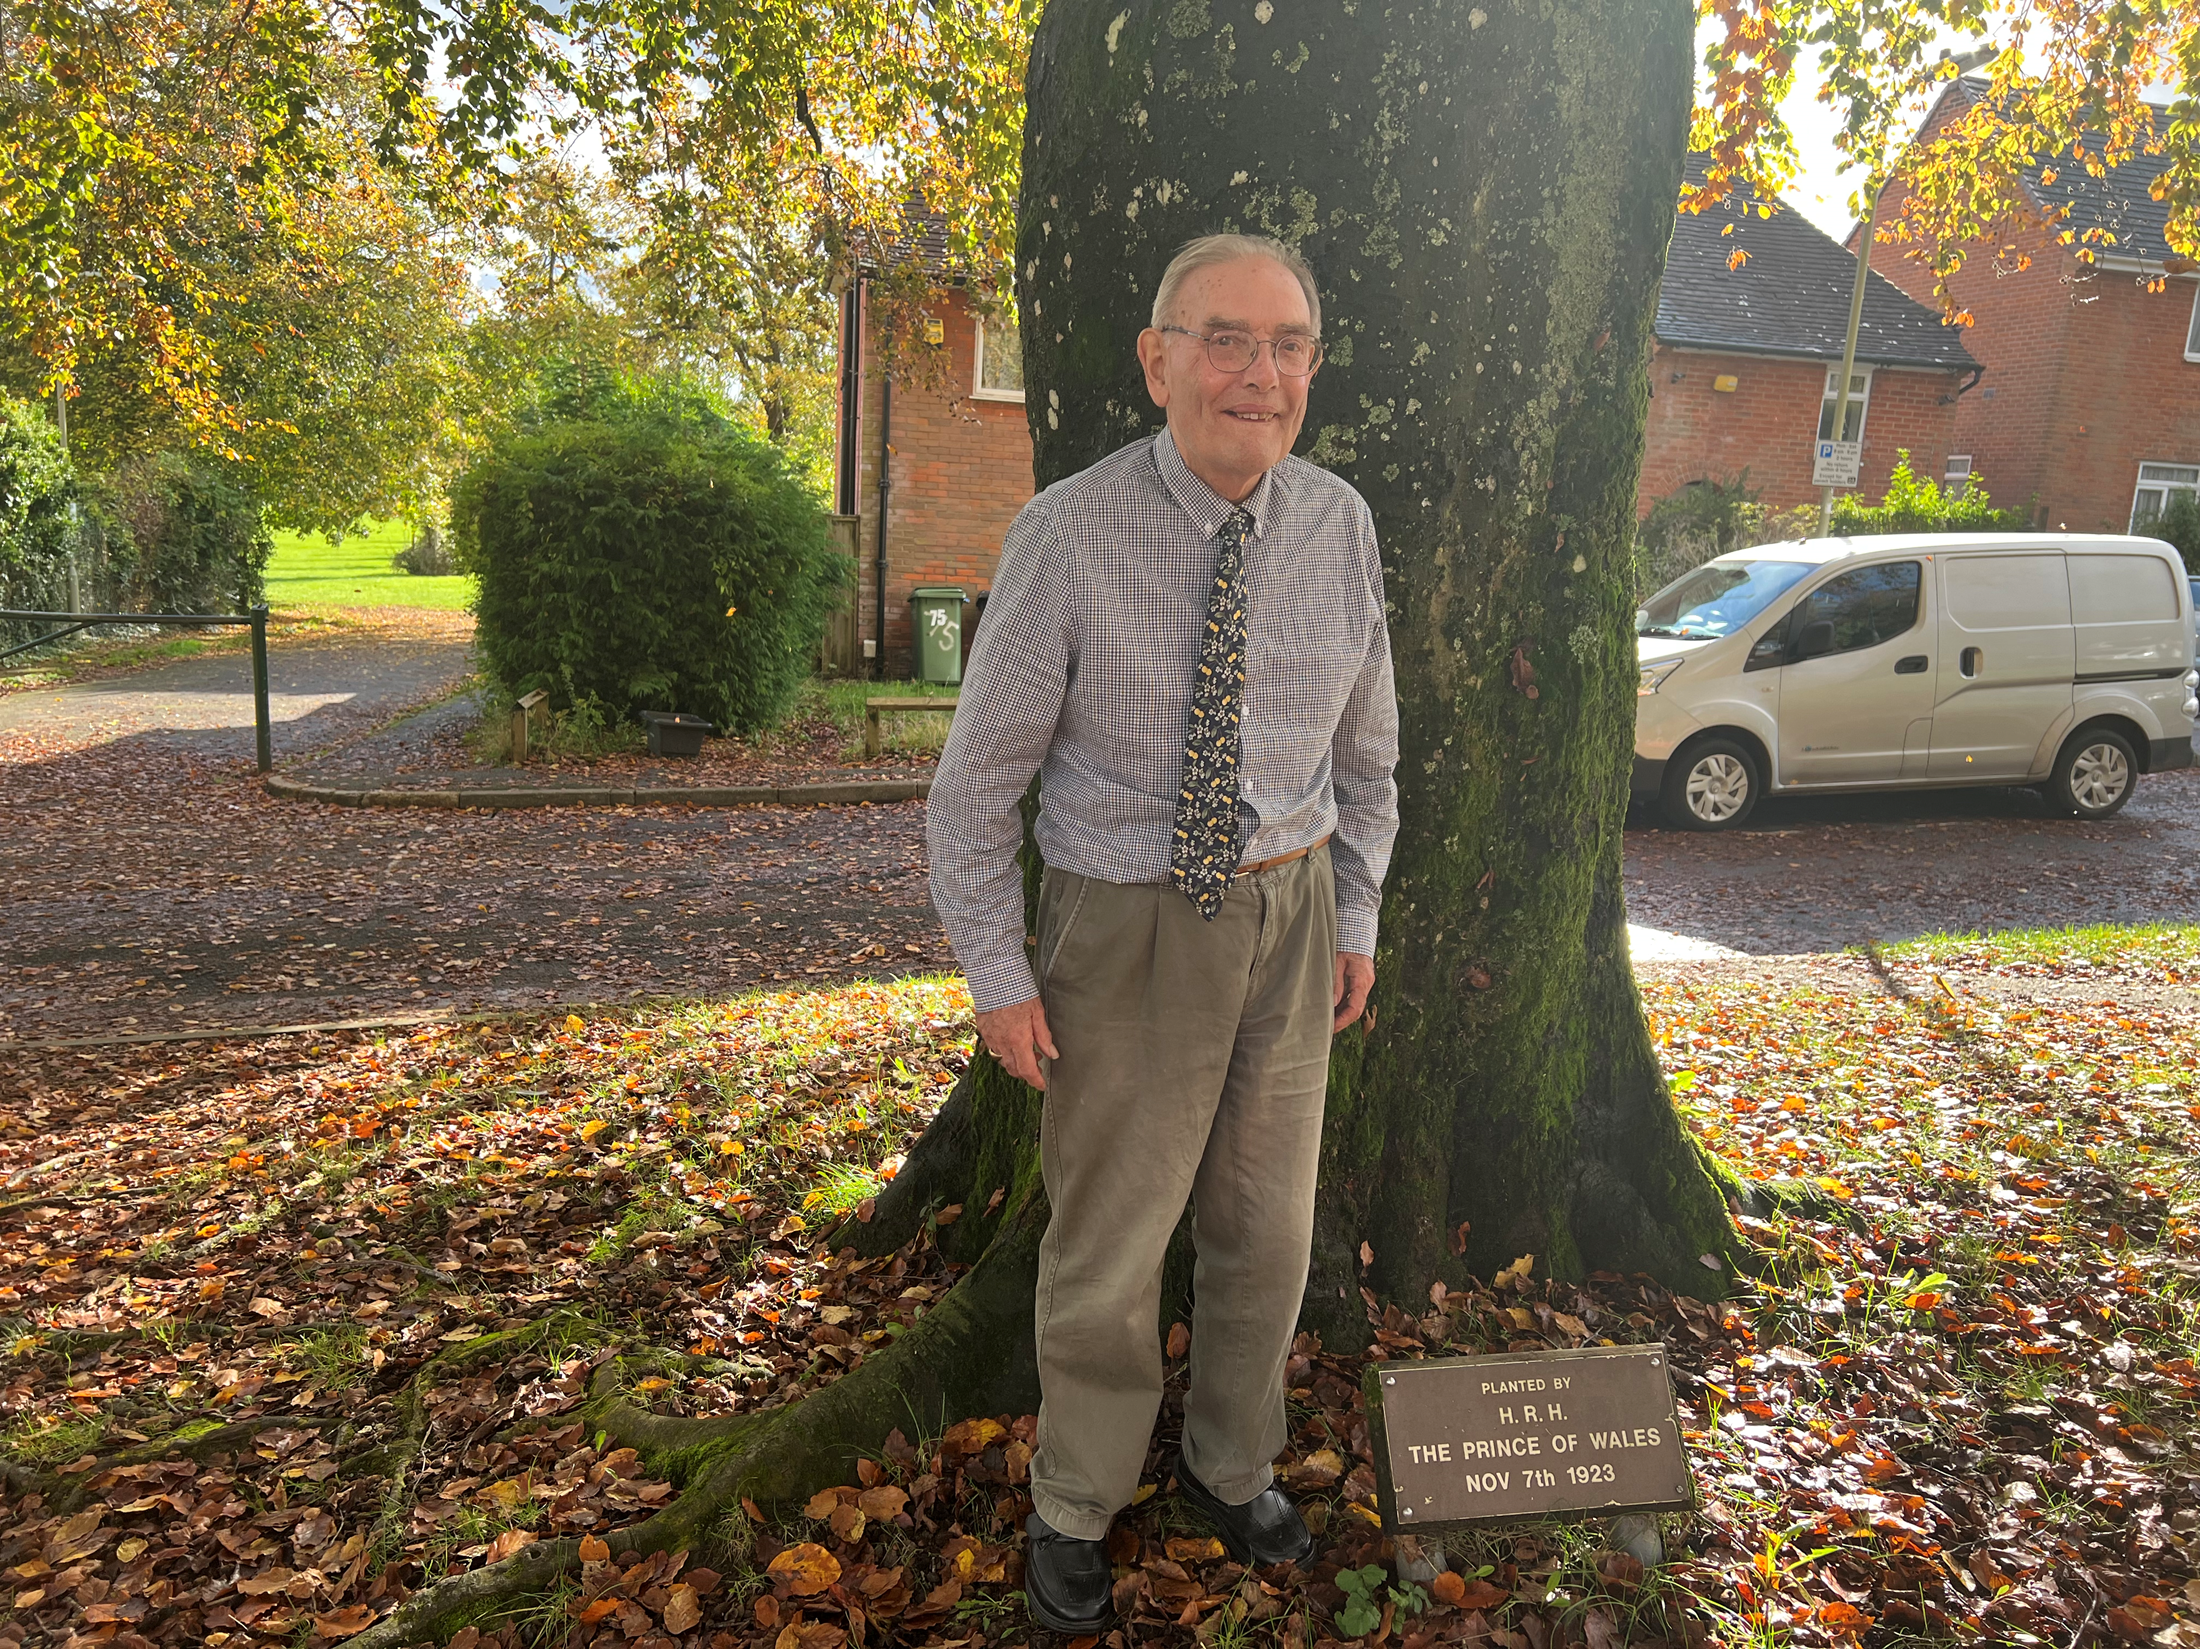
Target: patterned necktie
(1203, 855)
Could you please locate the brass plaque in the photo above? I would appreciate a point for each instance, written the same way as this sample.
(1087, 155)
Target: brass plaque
(1525, 1434)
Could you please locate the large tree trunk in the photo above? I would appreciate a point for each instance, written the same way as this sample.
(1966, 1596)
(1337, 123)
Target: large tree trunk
(1486, 199)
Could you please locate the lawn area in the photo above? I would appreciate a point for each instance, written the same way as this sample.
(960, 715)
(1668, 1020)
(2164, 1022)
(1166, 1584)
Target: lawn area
(470, 1287)
(307, 571)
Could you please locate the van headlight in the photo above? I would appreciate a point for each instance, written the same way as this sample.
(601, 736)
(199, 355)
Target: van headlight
(1652, 676)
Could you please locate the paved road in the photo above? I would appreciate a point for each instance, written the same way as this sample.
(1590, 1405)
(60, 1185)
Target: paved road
(1820, 875)
(151, 885)
(318, 694)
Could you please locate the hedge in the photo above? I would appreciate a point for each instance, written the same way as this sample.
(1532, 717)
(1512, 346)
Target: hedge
(646, 563)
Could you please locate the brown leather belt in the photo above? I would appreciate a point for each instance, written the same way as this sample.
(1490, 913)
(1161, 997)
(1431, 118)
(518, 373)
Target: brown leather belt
(1281, 858)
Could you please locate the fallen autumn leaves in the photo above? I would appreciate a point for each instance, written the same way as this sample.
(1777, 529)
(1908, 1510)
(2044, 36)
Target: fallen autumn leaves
(305, 1327)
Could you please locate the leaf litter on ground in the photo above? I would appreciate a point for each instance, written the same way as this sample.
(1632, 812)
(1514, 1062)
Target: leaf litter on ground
(1953, 1403)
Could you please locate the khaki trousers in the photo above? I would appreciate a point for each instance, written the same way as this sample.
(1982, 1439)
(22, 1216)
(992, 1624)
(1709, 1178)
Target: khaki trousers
(1194, 1061)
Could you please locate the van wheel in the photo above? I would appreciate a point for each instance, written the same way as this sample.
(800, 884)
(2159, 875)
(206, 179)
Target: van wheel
(2095, 774)
(1711, 786)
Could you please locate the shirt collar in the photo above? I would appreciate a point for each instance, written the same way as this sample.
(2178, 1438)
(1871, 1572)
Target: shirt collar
(1208, 508)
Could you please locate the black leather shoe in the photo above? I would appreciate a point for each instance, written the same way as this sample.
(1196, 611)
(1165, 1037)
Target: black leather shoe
(1266, 1529)
(1067, 1581)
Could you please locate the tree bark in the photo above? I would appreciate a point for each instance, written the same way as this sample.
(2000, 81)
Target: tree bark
(1486, 198)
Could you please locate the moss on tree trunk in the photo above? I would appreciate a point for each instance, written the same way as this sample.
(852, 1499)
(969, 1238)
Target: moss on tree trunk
(1486, 197)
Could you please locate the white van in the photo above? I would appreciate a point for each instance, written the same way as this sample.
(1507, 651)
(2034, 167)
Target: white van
(1904, 662)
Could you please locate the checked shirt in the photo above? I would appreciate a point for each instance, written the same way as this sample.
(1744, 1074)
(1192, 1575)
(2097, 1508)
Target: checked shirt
(1083, 673)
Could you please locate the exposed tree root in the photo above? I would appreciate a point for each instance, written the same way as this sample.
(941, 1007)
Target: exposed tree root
(971, 1354)
(67, 1494)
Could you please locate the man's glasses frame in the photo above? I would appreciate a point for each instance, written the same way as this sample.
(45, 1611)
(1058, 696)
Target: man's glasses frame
(1237, 351)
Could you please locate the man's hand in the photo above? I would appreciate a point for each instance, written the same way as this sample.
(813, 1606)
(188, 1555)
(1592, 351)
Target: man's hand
(1355, 978)
(1017, 1036)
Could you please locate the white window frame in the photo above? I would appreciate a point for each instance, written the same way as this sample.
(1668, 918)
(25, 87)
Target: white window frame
(978, 391)
(2158, 486)
(2192, 328)
(1859, 400)
(1950, 474)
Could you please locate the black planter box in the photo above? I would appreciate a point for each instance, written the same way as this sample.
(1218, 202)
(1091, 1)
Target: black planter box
(672, 734)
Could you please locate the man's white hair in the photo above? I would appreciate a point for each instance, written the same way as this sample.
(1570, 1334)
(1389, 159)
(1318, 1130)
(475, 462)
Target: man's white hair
(1211, 250)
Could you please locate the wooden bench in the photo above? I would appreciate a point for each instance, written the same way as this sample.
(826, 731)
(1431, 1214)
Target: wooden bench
(875, 708)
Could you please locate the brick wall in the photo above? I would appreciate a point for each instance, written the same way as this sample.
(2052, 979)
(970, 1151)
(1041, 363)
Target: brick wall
(961, 469)
(1767, 423)
(2129, 397)
(2086, 376)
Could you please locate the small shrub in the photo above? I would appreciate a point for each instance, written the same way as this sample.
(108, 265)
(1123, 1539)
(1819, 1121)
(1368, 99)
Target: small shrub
(646, 557)
(2179, 526)
(36, 488)
(427, 556)
(1915, 503)
(1703, 519)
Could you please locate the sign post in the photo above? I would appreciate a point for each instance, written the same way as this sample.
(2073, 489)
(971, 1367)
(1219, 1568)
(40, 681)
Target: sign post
(1836, 463)
(1569, 1434)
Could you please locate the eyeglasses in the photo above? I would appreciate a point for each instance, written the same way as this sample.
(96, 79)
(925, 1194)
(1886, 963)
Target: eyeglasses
(1296, 356)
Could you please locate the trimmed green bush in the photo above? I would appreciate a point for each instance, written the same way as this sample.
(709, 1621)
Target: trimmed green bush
(647, 563)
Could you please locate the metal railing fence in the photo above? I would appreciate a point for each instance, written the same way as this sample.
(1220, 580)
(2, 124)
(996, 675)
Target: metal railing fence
(256, 619)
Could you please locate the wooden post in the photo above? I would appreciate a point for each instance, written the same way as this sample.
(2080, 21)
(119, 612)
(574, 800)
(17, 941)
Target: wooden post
(523, 725)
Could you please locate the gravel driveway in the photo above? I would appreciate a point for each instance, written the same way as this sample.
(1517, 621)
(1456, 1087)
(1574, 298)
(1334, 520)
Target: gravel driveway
(318, 693)
(153, 886)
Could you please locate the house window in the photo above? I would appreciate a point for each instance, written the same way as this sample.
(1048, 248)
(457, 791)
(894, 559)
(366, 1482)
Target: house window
(2192, 329)
(1959, 469)
(2158, 484)
(1860, 392)
(1000, 367)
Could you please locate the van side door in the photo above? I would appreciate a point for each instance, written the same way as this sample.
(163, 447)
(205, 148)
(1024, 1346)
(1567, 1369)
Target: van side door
(2006, 658)
(2127, 618)
(1856, 676)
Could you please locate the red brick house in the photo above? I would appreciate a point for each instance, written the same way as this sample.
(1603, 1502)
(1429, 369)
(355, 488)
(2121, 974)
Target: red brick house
(2090, 408)
(1741, 378)
(958, 466)
(1747, 361)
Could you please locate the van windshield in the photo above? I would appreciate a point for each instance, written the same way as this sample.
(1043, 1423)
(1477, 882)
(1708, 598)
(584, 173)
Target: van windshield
(1716, 599)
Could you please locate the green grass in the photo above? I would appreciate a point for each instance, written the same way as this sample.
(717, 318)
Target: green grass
(844, 702)
(2101, 944)
(308, 571)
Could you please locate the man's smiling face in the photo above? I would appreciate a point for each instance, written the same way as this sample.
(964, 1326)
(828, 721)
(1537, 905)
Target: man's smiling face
(1232, 427)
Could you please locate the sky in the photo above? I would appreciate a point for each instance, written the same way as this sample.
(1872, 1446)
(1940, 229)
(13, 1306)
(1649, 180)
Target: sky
(1819, 192)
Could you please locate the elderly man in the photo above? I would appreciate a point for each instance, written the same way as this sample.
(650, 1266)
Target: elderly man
(1186, 642)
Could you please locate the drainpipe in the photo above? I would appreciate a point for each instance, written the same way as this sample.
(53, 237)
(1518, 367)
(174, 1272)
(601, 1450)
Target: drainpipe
(885, 486)
(851, 395)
